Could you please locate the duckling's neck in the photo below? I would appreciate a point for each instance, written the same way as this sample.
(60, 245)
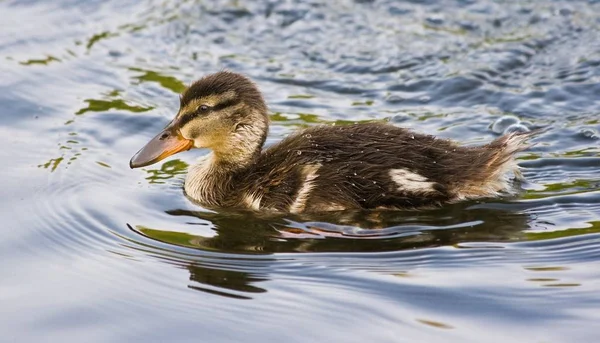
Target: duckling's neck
(210, 180)
(243, 147)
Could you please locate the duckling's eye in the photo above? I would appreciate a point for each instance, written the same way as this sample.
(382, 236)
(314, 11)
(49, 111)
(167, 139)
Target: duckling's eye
(203, 108)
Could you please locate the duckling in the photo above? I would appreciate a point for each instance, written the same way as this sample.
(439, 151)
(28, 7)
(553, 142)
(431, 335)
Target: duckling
(322, 168)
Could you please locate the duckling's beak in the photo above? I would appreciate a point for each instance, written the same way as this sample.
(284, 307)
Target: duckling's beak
(165, 144)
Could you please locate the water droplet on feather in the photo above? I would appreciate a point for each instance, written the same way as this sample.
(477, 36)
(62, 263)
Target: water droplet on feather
(516, 128)
(502, 123)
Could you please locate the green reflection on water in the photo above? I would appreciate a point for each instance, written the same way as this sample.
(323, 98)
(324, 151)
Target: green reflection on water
(537, 236)
(363, 103)
(563, 285)
(168, 170)
(310, 118)
(132, 27)
(445, 29)
(165, 81)
(44, 61)
(105, 105)
(113, 102)
(98, 37)
(52, 164)
(172, 237)
(529, 156)
(586, 152)
(562, 188)
(301, 96)
(435, 324)
(103, 164)
(428, 115)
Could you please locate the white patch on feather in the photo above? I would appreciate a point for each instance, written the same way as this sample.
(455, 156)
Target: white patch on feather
(411, 182)
(310, 174)
(252, 201)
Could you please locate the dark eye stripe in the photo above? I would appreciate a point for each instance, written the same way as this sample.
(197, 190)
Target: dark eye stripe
(186, 119)
(228, 103)
(189, 117)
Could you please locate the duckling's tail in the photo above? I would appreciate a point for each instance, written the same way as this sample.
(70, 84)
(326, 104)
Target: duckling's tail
(495, 162)
(502, 160)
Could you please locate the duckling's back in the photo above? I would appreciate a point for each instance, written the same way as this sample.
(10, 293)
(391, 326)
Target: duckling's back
(376, 165)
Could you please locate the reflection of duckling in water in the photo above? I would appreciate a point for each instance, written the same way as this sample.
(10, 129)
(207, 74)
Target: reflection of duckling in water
(243, 232)
(251, 235)
(227, 283)
(322, 168)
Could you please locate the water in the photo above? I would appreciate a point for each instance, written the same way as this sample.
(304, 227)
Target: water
(94, 251)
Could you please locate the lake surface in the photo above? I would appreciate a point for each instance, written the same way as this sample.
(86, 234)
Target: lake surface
(93, 251)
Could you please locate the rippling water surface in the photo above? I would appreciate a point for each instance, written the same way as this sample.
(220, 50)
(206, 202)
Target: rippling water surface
(94, 251)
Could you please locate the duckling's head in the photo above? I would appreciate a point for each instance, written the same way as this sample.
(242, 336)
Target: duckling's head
(224, 112)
